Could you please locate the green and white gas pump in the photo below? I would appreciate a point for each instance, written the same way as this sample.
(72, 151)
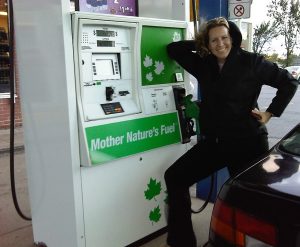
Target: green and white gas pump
(129, 126)
(101, 123)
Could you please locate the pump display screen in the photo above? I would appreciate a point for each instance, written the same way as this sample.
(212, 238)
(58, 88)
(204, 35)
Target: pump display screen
(105, 43)
(105, 33)
(105, 66)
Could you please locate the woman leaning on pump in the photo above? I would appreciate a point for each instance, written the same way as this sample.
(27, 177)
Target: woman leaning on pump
(233, 131)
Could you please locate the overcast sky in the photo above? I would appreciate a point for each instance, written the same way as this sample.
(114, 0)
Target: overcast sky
(258, 14)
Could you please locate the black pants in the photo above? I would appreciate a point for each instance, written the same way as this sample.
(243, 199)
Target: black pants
(205, 158)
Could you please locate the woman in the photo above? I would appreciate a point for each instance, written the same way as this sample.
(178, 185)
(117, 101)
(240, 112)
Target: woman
(233, 132)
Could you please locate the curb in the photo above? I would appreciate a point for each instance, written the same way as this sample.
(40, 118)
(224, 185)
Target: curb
(17, 149)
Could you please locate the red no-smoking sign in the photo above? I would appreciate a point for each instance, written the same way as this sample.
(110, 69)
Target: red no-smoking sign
(238, 9)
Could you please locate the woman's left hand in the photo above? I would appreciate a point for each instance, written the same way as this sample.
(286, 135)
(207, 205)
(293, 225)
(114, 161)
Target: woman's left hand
(262, 117)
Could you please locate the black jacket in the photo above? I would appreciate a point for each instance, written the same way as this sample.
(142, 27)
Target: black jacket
(228, 96)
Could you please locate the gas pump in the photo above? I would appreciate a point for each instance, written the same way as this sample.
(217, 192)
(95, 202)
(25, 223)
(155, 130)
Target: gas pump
(102, 125)
(130, 122)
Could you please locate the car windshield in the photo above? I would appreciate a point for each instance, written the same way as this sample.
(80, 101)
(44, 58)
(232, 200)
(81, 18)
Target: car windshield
(292, 68)
(291, 143)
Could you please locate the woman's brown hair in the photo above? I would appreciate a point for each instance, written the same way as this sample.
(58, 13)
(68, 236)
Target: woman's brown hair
(202, 37)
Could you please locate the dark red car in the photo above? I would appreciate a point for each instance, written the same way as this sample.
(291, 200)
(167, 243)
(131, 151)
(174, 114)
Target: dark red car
(261, 206)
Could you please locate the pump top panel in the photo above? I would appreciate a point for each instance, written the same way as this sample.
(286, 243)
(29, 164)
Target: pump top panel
(124, 84)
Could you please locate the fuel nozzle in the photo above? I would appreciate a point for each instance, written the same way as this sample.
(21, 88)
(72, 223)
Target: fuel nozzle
(192, 111)
(188, 114)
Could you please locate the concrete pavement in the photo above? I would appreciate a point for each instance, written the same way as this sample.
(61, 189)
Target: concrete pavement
(5, 140)
(14, 231)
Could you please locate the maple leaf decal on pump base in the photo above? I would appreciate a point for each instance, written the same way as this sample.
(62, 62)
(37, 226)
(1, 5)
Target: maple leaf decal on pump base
(154, 189)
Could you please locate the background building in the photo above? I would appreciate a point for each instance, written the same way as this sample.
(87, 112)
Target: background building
(4, 74)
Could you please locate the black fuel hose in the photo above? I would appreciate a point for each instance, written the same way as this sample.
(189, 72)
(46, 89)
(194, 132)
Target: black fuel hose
(12, 109)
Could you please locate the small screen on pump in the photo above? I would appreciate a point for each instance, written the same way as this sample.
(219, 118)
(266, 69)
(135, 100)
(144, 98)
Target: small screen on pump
(105, 33)
(106, 66)
(105, 43)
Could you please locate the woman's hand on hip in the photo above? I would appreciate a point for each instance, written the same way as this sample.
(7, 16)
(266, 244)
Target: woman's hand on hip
(262, 117)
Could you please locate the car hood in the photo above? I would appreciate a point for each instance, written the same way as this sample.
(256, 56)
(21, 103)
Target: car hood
(279, 172)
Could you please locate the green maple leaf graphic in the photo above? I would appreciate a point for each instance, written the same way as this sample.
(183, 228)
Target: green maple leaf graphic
(153, 190)
(155, 214)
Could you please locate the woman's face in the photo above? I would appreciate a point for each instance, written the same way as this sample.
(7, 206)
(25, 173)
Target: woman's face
(219, 42)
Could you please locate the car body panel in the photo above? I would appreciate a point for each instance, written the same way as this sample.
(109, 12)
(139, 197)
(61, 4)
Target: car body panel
(269, 190)
(294, 71)
(276, 173)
